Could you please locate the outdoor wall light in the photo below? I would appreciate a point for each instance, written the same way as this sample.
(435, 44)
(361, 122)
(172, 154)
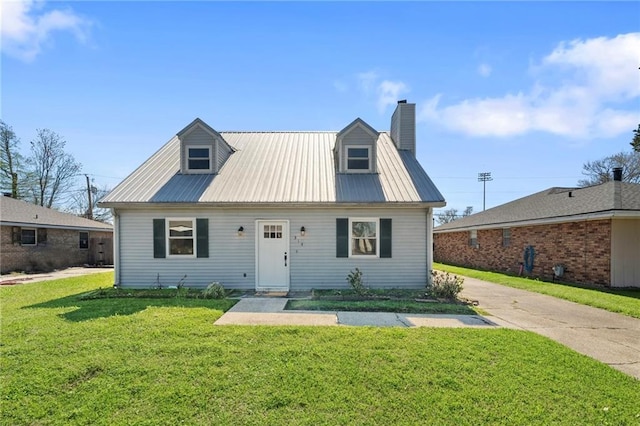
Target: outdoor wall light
(302, 231)
(241, 231)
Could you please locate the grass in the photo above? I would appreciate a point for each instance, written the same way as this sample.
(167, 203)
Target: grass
(400, 306)
(162, 361)
(621, 301)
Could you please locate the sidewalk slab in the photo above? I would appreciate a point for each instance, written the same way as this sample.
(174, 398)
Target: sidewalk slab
(449, 321)
(259, 304)
(375, 319)
(276, 318)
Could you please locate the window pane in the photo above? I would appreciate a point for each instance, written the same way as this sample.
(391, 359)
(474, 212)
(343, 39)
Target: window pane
(180, 228)
(363, 246)
(181, 246)
(358, 164)
(363, 229)
(358, 153)
(28, 237)
(84, 240)
(199, 164)
(198, 152)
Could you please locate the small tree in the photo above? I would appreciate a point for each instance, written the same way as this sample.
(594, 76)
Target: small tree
(53, 170)
(635, 142)
(468, 211)
(11, 161)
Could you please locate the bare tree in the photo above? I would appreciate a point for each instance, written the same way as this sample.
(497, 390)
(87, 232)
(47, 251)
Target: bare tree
(10, 161)
(601, 171)
(467, 211)
(54, 171)
(447, 216)
(79, 204)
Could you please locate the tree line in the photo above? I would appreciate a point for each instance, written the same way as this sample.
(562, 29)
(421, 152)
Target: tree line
(596, 172)
(47, 177)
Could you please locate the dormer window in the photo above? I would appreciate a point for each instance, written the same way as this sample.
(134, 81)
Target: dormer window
(199, 159)
(358, 158)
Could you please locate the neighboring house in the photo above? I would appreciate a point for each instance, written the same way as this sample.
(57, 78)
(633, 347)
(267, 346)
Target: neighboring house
(592, 232)
(35, 238)
(278, 210)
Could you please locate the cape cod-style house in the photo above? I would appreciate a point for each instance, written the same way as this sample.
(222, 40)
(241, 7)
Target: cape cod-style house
(278, 211)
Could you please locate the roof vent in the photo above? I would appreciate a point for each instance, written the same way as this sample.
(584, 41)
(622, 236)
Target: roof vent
(403, 101)
(570, 194)
(617, 174)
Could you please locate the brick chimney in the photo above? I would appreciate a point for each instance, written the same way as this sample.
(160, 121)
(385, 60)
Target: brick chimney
(617, 174)
(403, 126)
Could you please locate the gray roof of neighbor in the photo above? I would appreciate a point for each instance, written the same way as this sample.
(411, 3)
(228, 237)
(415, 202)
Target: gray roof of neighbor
(279, 167)
(20, 213)
(556, 203)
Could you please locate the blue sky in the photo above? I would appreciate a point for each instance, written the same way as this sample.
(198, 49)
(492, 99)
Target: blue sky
(528, 91)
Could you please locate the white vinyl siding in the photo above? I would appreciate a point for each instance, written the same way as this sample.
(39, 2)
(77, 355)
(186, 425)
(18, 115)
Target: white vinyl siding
(625, 246)
(313, 262)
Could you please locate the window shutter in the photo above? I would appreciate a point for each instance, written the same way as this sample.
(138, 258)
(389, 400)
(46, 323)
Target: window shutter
(342, 237)
(16, 236)
(202, 236)
(159, 239)
(385, 237)
(42, 236)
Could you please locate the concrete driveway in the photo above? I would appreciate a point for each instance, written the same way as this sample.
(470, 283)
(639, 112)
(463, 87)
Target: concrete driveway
(613, 339)
(12, 279)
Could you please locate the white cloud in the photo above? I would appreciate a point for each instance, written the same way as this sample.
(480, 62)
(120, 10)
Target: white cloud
(485, 70)
(26, 27)
(389, 92)
(579, 91)
(386, 92)
(366, 80)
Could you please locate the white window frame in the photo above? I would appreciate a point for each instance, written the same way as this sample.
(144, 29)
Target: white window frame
(80, 239)
(168, 237)
(187, 158)
(506, 240)
(369, 158)
(473, 238)
(35, 237)
(364, 219)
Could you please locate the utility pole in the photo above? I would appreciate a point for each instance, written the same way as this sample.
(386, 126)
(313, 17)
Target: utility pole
(484, 177)
(90, 209)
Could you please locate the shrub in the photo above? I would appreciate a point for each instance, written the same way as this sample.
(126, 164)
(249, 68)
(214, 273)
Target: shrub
(445, 285)
(355, 281)
(215, 290)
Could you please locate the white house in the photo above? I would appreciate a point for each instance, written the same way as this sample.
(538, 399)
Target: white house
(278, 211)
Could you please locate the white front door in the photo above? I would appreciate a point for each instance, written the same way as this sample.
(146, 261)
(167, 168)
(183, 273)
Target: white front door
(272, 270)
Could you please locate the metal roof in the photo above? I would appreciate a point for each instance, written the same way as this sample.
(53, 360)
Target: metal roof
(555, 203)
(279, 167)
(20, 213)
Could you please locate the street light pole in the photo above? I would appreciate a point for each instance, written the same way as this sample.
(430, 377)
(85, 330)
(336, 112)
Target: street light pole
(484, 177)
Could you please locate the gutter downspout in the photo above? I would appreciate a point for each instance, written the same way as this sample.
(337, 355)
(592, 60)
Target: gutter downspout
(429, 240)
(116, 247)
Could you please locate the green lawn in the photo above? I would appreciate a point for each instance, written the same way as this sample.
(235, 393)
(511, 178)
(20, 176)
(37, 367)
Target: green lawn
(625, 302)
(162, 362)
(399, 306)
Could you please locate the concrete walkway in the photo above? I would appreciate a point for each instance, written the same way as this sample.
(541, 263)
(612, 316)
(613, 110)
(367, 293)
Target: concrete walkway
(613, 339)
(270, 311)
(14, 278)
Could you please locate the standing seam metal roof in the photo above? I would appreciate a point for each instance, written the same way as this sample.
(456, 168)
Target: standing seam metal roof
(278, 167)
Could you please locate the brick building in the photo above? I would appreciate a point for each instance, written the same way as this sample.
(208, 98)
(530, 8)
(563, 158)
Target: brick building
(35, 238)
(588, 235)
